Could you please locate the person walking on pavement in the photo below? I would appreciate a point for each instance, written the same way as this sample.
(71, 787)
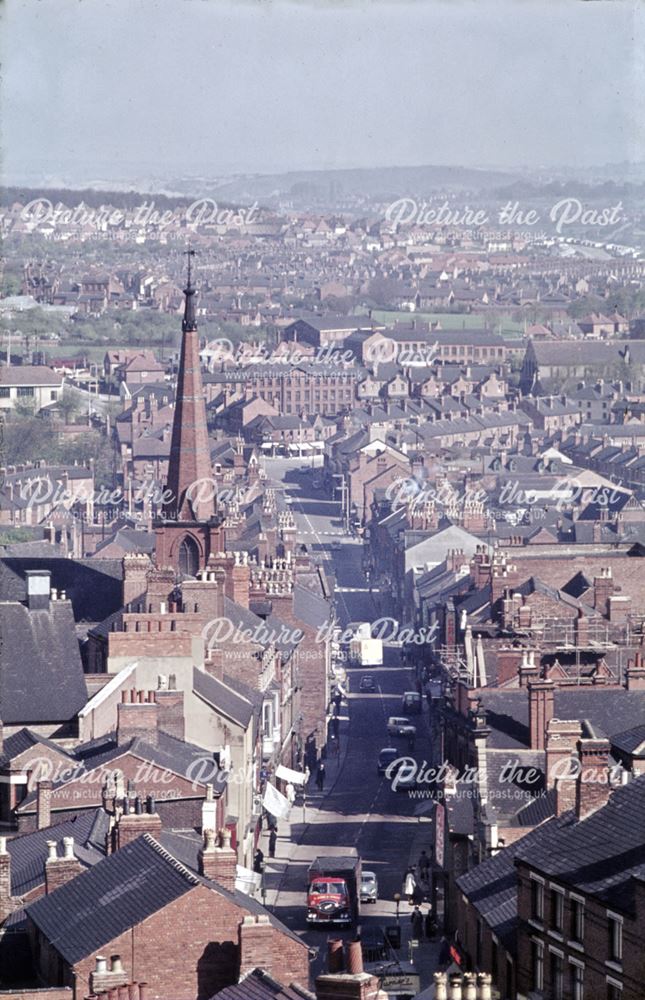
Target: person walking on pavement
(424, 866)
(273, 839)
(258, 862)
(417, 924)
(320, 777)
(444, 953)
(430, 925)
(409, 885)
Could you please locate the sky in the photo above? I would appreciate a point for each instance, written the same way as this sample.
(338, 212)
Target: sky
(117, 87)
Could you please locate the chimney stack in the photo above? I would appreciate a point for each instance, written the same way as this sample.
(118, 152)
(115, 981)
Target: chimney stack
(218, 862)
(257, 946)
(592, 787)
(541, 708)
(137, 719)
(38, 589)
(59, 870)
(108, 980)
(134, 824)
(6, 902)
(43, 804)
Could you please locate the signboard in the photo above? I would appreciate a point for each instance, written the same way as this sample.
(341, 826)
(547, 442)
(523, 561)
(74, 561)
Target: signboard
(455, 956)
(439, 833)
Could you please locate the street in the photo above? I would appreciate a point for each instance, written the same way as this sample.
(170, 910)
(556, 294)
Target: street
(357, 808)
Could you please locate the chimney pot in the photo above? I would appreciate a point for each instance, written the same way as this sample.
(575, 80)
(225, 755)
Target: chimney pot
(101, 964)
(68, 847)
(117, 964)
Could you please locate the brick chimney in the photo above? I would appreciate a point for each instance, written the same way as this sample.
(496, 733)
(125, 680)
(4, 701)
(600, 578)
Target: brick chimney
(592, 786)
(562, 737)
(43, 804)
(108, 976)
(635, 673)
(58, 870)
(134, 824)
(170, 709)
(541, 708)
(582, 628)
(603, 588)
(348, 986)
(6, 902)
(137, 716)
(257, 949)
(218, 861)
(135, 577)
(529, 671)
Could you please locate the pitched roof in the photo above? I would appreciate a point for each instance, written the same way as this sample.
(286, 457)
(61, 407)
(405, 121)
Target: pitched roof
(41, 674)
(122, 890)
(29, 852)
(259, 985)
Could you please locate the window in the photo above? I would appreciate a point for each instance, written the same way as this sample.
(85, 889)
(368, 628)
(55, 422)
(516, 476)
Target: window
(557, 910)
(557, 976)
(26, 390)
(537, 900)
(5, 392)
(577, 981)
(53, 395)
(577, 919)
(614, 990)
(537, 964)
(188, 557)
(615, 935)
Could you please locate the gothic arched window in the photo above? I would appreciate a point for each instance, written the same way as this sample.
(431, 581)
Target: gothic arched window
(188, 557)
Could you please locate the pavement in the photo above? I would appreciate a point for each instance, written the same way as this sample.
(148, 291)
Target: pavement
(357, 809)
(305, 835)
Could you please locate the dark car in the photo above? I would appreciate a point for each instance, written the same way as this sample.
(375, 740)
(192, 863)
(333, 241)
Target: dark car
(367, 683)
(385, 758)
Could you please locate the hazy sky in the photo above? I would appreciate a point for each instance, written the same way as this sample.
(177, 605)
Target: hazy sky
(106, 87)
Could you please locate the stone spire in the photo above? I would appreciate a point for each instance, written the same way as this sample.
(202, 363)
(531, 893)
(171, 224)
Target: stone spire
(190, 485)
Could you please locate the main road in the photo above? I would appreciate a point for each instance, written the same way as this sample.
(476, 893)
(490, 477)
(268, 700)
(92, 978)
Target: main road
(359, 810)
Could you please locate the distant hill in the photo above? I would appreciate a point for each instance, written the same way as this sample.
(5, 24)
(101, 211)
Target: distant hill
(372, 182)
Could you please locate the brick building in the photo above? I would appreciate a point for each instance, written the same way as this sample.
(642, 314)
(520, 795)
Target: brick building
(185, 935)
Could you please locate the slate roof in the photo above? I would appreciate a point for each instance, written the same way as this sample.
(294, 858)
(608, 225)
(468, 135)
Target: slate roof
(93, 586)
(89, 911)
(259, 985)
(607, 709)
(120, 892)
(600, 854)
(25, 739)
(41, 674)
(631, 741)
(223, 698)
(491, 887)
(29, 852)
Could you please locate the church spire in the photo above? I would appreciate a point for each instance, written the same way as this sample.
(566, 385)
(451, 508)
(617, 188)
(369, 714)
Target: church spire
(190, 485)
(189, 322)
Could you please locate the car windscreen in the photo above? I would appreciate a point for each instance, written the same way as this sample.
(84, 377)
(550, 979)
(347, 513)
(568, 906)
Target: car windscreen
(328, 888)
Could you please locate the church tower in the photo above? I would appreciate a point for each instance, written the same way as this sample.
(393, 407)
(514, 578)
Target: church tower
(189, 529)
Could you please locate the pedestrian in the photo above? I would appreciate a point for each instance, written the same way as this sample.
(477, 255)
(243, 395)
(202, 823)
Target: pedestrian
(417, 924)
(409, 885)
(258, 862)
(417, 894)
(291, 793)
(430, 925)
(273, 839)
(444, 952)
(335, 725)
(424, 866)
(411, 742)
(320, 777)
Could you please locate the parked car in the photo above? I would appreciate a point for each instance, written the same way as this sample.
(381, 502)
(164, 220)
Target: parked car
(411, 703)
(367, 683)
(385, 758)
(336, 546)
(369, 887)
(400, 726)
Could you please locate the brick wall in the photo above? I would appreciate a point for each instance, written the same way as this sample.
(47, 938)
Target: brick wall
(190, 950)
(594, 952)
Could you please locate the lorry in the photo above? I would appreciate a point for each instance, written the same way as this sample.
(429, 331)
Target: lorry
(333, 887)
(364, 650)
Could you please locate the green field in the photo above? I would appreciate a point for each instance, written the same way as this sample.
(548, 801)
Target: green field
(452, 321)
